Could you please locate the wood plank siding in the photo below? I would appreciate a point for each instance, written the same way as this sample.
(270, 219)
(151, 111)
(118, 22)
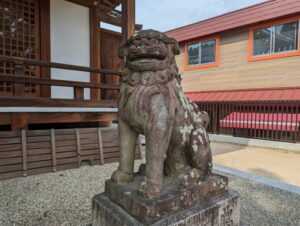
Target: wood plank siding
(30, 152)
(236, 72)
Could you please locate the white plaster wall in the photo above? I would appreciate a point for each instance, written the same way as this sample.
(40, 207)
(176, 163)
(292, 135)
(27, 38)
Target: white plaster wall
(70, 44)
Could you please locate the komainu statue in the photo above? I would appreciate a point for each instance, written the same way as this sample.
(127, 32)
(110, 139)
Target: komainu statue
(151, 102)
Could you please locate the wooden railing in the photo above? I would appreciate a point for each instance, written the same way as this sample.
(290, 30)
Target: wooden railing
(19, 80)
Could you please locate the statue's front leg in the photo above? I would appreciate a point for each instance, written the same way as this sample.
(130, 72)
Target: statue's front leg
(127, 140)
(157, 134)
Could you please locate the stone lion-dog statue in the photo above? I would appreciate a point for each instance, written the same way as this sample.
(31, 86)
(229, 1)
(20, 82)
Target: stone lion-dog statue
(151, 102)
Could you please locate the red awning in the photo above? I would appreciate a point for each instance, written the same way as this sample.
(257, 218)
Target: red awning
(250, 120)
(246, 95)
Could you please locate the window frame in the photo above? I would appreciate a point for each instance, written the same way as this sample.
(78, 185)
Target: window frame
(188, 67)
(252, 58)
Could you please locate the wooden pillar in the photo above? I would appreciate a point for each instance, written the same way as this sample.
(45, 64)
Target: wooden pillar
(45, 52)
(95, 57)
(78, 93)
(128, 18)
(19, 120)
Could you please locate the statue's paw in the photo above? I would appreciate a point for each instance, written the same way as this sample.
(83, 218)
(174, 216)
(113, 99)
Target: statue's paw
(142, 169)
(189, 179)
(149, 190)
(121, 177)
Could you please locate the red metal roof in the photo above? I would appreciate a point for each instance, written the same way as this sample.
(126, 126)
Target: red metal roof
(246, 95)
(269, 10)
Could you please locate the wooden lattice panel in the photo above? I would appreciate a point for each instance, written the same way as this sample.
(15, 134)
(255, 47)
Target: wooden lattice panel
(19, 37)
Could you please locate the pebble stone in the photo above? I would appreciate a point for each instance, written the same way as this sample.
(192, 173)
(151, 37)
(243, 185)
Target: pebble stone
(263, 205)
(64, 199)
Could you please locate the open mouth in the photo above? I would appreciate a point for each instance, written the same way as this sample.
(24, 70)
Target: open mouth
(145, 60)
(146, 55)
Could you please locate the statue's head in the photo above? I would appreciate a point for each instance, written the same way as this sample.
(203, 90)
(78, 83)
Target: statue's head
(150, 50)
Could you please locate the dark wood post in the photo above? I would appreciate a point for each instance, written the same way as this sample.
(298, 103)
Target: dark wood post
(128, 18)
(18, 120)
(45, 52)
(95, 51)
(19, 88)
(78, 93)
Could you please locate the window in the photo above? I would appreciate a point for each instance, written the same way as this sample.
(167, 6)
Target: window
(274, 40)
(202, 54)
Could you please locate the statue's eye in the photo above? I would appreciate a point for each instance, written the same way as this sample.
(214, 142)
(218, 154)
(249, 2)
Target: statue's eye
(136, 42)
(154, 41)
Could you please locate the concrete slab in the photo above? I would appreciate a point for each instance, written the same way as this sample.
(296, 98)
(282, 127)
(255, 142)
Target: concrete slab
(256, 142)
(274, 164)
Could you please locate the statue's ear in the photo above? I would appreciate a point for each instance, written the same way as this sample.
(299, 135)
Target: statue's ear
(123, 50)
(175, 46)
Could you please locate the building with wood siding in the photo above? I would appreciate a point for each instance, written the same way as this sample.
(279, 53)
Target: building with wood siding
(59, 71)
(243, 68)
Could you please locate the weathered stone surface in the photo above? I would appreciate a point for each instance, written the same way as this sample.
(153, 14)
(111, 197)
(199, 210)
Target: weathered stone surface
(171, 200)
(151, 102)
(220, 210)
(175, 186)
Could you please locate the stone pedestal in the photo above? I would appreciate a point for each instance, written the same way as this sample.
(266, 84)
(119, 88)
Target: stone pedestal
(209, 203)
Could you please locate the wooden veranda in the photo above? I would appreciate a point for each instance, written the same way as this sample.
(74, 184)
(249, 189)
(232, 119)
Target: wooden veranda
(38, 132)
(26, 80)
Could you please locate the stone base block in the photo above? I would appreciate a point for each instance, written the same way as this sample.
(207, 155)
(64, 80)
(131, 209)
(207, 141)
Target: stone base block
(171, 200)
(223, 209)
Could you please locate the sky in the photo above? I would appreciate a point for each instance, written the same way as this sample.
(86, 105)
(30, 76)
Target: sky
(164, 15)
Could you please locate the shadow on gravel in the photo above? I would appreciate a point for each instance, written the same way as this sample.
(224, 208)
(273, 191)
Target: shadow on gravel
(265, 173)
(223, 148)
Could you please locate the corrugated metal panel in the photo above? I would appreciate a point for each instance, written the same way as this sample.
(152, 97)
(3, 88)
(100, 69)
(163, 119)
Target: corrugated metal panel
(251, 15)
(246, 95)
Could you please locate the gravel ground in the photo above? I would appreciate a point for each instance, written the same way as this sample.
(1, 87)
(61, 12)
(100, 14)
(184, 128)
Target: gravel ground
(53, 199)
(263, 205)
(64, 198)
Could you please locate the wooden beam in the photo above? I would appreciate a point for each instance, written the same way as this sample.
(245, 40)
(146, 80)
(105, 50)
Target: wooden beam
(100, 147)
(115, 21)
(53, 150)
(111, 32)
(131, 17)
(18, 121)
(78, 93)
(55, 82)
(5, 118)
(86, 3)
(78, 147)
(108, 19)
(128, 18)
(19, 88)
(95, 52)
(40, 118)
(45, 52)
(46, 102)
(16, 60)
(24, 153)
